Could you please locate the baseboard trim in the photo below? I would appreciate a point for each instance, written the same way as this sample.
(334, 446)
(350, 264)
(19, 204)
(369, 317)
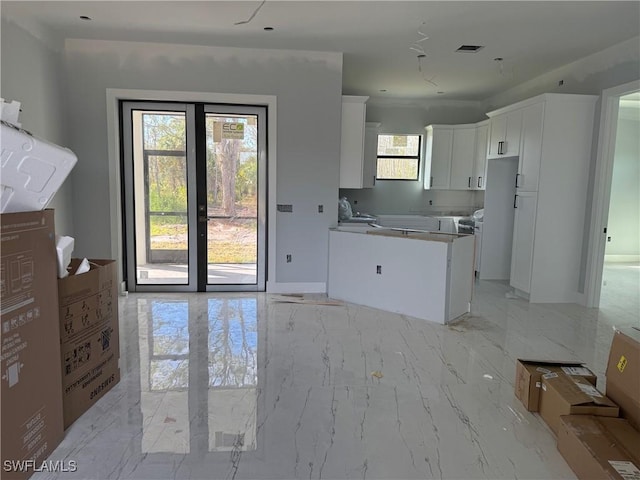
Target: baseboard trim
(294, 287)
(622, 258)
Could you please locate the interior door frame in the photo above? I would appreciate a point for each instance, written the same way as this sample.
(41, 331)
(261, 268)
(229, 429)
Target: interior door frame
(609, 108)
(113, 98)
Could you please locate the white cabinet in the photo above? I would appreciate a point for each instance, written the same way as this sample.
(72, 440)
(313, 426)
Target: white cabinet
(480, 156)
(439, 143)
(551, 196)
(462, 157)
(352, 141)
(456, 156)
(431, 276)
(504, 134)
(371, 131)
(530, 148)
(523, 238)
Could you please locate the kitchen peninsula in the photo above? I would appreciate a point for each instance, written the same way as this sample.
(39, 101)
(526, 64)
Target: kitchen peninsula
(427, 275)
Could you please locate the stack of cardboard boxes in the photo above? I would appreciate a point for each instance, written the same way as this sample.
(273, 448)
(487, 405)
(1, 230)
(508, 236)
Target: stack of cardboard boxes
(59, 341)
(52, 361)
(593, 440)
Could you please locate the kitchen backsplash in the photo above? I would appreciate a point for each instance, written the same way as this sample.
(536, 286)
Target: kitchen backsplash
(387, 199)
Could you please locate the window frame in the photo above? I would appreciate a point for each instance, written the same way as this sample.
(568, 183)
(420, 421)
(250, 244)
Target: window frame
(418, 157)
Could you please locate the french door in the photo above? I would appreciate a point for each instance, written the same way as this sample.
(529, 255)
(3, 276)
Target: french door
(194, 181)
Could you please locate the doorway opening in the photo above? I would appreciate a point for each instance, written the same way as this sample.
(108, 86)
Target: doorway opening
(613, 270)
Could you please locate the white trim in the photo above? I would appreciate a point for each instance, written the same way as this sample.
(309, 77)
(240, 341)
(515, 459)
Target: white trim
(602, 189)
(283, 287)
(114, 95)
(621, 258)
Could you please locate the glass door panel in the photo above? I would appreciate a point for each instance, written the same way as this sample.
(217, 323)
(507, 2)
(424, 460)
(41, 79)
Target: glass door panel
(160, 176)
(194, 196)
(232, 198)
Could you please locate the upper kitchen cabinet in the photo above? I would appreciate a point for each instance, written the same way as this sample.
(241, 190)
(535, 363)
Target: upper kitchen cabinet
(504, 133)
(371, 131)
(437, 162)
(352, 141)
(456, 156)
(480, 156)
(462, 157)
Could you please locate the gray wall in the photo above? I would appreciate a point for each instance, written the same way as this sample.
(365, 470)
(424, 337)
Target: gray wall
(308, 89)
(611, 67)
(32, 74)
(623, 224)
(407, 197)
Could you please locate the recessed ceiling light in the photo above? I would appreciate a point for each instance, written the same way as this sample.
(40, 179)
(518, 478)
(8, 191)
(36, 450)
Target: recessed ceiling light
(440, 93)
(84, 17)
(469, 48)
(383, 90)
(498, 59)
(268, 29)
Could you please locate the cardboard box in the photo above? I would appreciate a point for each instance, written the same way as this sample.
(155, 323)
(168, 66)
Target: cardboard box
(600, 447)
(529, 374)
(623, 374)
(89, 343)
(30, 383)
(564, 395)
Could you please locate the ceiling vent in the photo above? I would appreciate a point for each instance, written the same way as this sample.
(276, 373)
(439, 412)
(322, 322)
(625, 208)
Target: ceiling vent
(469, 48)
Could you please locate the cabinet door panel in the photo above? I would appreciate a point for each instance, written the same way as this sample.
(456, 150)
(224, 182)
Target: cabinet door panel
(523, 238)
(352, 142)
(480, 162)
(505, 135)
(370, 154)
(531, 148)
(512, 134)
(440, 159)
(462, 156)
(498, 129)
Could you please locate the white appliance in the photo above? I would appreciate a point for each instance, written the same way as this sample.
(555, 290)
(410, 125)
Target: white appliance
(497, 222)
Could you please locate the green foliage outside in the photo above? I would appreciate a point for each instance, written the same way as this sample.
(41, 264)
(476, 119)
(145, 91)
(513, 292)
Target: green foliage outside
(167, 188)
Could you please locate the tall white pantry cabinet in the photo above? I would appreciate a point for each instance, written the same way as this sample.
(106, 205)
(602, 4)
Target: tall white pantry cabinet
(551, 194)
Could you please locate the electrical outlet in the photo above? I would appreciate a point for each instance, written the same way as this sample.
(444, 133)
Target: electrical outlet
(430, 202)
(320, 208)
(379, 269)
(288, 258)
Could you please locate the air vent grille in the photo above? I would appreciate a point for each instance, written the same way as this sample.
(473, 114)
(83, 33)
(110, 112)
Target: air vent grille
(469, 48)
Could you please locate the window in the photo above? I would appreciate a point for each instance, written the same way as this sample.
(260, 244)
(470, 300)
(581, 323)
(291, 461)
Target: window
(398, 157)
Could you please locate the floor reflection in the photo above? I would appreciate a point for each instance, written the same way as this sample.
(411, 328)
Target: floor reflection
(198, 374)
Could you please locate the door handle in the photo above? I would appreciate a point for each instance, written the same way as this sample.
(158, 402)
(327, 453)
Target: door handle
(431, 182)
(515, 201)
(479, 182)
(469, 182)
(517, 178)
(500, 148)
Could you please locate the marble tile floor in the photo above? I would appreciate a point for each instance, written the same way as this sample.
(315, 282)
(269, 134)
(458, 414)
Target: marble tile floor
(240, 386)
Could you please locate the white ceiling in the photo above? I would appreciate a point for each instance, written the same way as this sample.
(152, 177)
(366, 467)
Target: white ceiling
(532, 37)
